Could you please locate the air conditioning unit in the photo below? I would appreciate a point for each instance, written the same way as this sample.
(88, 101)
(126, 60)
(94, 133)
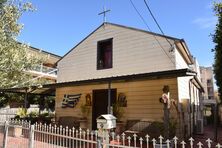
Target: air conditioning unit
(199, 128)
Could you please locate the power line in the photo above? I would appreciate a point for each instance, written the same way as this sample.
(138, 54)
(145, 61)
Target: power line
(151, 31)
(140, 15)
(147, 6)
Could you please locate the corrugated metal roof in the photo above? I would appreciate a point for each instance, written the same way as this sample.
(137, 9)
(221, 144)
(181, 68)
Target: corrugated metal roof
(47, 91)
(151, 75)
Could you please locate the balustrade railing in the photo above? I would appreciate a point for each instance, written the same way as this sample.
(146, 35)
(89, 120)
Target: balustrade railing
(45, 69)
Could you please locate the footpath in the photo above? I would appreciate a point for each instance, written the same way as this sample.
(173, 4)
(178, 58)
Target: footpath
(209, 133)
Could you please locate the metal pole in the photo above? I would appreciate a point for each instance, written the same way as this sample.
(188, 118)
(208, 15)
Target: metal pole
(215, 122)
(26, 96)
(5, 135)
(109, 98)
(31, 136)
(166, 121)
(99, 142)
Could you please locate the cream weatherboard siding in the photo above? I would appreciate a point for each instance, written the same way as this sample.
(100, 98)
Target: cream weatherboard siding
(183, 82)
(142, 99)
(180, 62)
(183, 87)
(133, 52)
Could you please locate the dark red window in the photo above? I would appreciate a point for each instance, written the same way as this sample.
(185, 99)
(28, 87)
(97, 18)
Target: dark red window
(104, 54)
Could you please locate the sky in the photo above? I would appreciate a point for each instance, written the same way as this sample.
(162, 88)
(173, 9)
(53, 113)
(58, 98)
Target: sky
(58, 25)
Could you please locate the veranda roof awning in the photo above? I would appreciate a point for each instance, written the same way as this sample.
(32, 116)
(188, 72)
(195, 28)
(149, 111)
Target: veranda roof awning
(151, 75)
(36, 90)
(49, 89)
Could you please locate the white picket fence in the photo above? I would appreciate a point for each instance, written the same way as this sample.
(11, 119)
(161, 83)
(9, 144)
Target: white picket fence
(23, 134)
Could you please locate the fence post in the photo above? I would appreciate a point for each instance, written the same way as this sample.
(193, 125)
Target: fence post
(99, 142)
(31, 136)
(5, 135)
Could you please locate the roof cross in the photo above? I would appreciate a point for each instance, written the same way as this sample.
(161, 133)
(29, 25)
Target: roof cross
(104, 13)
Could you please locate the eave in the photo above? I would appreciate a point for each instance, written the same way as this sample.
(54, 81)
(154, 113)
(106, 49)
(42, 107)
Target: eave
(198, 84)
(35, 90)
(49, 89)
(183, 49)
(133, 77)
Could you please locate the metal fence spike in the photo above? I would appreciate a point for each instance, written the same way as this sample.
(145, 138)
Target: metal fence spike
(209, 141)
(129, 140)
(123, 138)
(183, 143)
(161, 140)
(84, 134)
(199, 144)
(154, 142)
(168, 143)
(191, 142)
(123, 134)
(147, 140)
(218, 145)
(147, 136)
(141, 142)
(175, 141)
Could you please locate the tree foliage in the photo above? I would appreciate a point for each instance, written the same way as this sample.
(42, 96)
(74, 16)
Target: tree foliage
(217, 39)
(14, 58)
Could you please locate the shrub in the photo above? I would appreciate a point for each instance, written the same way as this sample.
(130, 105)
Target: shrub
(156, 128)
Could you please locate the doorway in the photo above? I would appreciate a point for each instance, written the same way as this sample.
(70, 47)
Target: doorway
(100, 103)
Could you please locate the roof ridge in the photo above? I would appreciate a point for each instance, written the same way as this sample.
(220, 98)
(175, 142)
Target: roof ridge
(104, 23)
(142, 30)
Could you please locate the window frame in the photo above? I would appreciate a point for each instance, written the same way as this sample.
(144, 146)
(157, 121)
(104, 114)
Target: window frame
(99, 52)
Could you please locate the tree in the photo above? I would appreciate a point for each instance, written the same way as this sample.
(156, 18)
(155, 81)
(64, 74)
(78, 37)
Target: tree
(14, 59)
(217, 39)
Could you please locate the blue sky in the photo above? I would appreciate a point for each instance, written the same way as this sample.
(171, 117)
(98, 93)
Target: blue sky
(58, 25)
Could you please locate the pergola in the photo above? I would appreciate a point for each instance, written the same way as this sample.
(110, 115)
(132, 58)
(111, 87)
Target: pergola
(41, 91)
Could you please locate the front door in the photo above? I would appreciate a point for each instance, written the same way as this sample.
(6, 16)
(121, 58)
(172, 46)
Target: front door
(100, 103)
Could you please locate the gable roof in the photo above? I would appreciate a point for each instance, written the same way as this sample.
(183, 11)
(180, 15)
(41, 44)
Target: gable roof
(136, 29)
(43, 51)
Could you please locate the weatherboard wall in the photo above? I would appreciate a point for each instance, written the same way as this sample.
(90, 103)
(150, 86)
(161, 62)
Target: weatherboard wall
(133, 52)
(142, 99)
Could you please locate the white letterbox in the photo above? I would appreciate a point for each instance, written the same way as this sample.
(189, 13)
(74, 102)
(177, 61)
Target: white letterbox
(106, 121)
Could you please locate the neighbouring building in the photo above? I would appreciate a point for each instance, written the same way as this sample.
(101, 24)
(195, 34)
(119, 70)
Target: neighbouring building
(44, 73)
(133, 66)
(47, 69)
(209, 101)
(207, 82)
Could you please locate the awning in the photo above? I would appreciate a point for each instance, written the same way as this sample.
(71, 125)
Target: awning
(49, 89)
(198, 84)
(36, 90)
(152, 75)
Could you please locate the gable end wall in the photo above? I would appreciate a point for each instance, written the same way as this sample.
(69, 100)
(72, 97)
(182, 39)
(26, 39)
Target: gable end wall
(133, 52)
